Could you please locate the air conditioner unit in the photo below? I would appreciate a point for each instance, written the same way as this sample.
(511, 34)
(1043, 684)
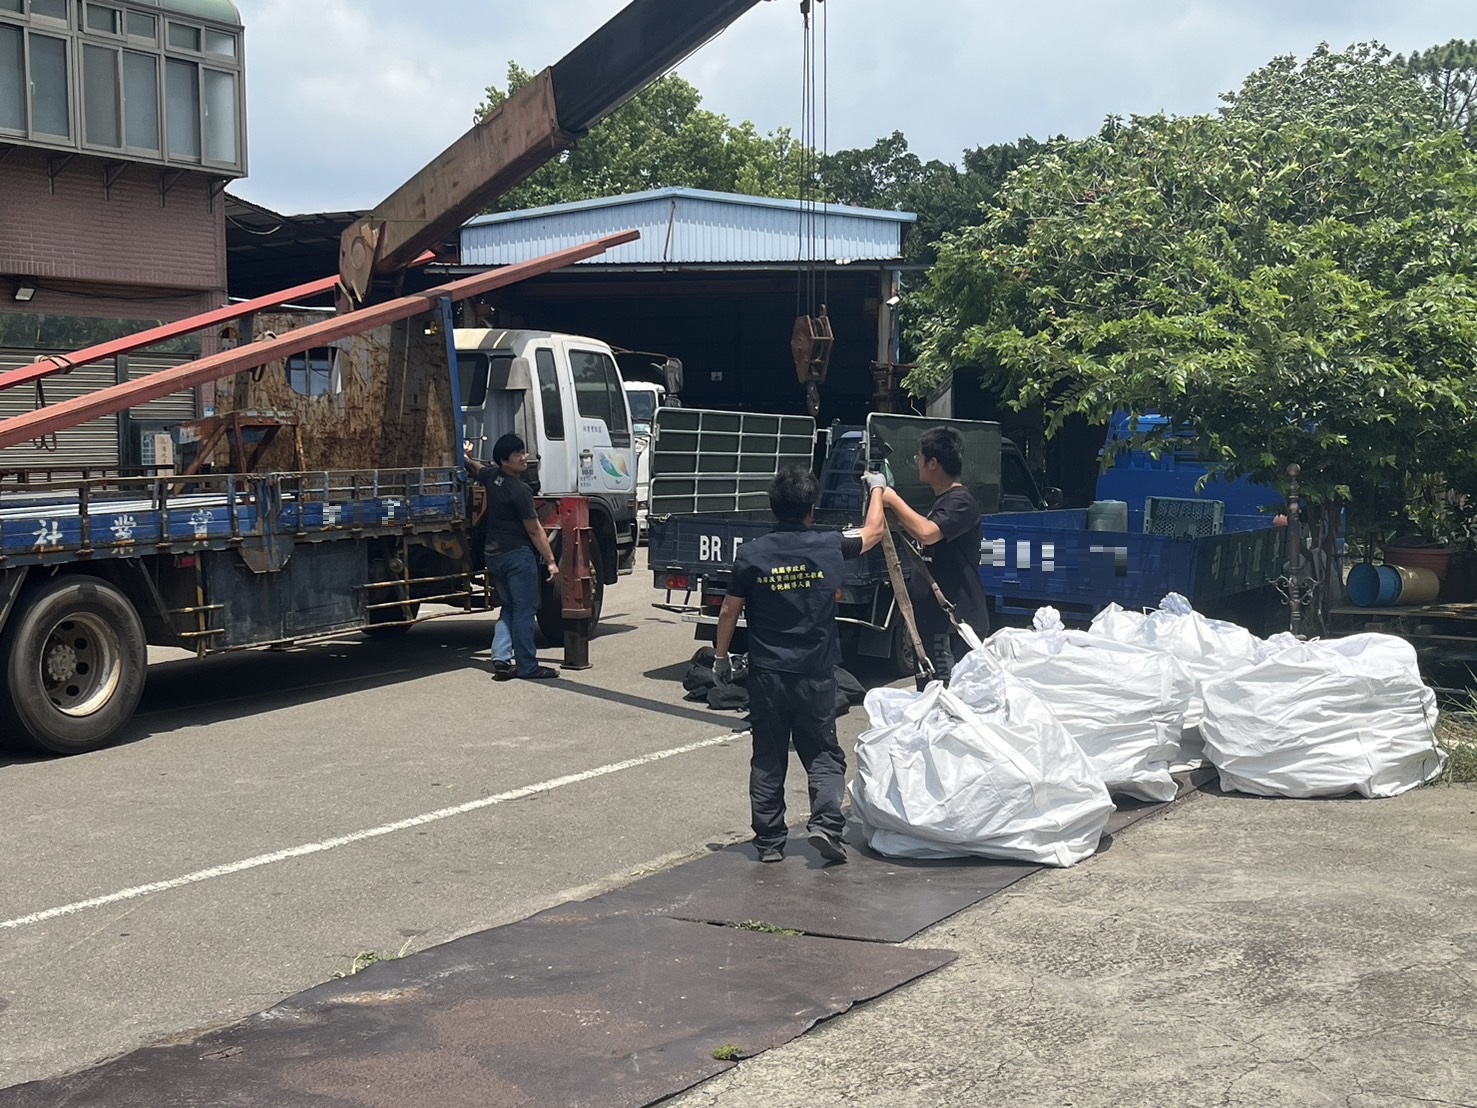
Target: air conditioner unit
(1184, 517)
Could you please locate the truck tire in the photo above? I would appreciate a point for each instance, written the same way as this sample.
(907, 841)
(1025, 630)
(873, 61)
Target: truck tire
(904, 657)
(395, 630)
(75, 659)
(551, 606)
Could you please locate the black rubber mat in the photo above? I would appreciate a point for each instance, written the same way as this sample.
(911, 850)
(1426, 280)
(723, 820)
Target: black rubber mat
(870, 897)
(566, 1008)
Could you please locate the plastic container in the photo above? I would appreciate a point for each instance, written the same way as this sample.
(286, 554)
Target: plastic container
(1108, 515)
(1417, 586)
(1371, 586)
(1437, 559)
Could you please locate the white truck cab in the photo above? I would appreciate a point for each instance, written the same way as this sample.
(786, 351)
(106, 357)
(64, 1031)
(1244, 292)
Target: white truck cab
(564, 397)
(644, 397)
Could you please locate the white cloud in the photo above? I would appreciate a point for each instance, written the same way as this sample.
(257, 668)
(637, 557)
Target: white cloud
(348, 98)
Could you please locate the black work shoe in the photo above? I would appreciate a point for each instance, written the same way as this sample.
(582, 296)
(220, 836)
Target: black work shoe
(827, 845)
(503, 671)
(771, 854)
(542, 673)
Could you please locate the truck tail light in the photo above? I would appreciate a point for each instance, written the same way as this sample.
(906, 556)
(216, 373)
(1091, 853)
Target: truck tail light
(713, 600)
(679, 582)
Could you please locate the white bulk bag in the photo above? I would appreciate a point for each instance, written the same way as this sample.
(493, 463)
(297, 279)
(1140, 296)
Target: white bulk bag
(1205, 647)
(1325, 718)
(1122, 703)
(937, 778)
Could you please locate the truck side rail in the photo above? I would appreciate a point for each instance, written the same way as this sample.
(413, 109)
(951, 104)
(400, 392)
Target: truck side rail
(59, 521)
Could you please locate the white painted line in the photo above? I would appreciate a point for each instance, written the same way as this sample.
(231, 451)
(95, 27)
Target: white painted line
(360, 836)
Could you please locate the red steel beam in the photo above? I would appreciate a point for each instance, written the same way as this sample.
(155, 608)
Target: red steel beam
(48, 367)
(115, 398)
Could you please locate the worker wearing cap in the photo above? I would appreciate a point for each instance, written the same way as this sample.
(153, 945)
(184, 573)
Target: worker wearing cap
(784, 584)
(516, 543)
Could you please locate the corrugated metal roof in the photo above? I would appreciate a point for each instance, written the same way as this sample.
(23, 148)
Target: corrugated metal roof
(689, 226)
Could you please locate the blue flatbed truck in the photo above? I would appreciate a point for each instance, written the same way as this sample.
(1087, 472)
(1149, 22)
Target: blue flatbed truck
(1030, 556)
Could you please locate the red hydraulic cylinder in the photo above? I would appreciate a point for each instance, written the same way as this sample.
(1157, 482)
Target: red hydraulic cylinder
(115, 398)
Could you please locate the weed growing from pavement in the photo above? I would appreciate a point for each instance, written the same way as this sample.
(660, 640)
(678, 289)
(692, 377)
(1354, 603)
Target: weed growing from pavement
(366, 958)
(728, 1053)
(1457, 734)
(767, 928)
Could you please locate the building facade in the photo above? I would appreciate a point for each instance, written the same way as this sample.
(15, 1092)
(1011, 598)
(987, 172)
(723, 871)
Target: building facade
(121, 123)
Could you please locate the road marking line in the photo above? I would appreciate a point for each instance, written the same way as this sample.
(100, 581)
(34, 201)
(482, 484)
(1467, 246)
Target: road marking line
(360, 836)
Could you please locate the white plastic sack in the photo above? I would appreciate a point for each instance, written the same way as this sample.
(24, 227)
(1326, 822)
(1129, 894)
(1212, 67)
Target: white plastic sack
(1325, 718)
(1121, 703)
(937, 778)
(1205, 647)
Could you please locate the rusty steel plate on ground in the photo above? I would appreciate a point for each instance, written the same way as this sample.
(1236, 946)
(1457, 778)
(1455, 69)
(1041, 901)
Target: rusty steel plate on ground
(568, 1008)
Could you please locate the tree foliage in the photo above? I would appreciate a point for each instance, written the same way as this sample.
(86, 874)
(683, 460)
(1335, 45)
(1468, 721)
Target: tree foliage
(945, 197)
(1294, 279)
(661, 138)
(1449, 74)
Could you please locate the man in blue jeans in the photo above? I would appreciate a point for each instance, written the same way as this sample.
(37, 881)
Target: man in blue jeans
(516, 542)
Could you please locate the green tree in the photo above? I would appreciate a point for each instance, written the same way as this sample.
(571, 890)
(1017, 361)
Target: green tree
(1293, 279)
(661, 138)
(1449, 74)
(945, 198)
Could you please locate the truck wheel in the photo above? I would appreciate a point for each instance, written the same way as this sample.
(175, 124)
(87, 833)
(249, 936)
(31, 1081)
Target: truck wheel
(551, 606)
(395, 630)
(904, 658)
(75, 660)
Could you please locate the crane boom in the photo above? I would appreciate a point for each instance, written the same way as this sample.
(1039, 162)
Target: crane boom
(534, 125)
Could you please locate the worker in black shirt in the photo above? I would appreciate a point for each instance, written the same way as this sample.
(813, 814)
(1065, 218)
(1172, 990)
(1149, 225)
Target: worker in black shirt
(785, 584)
(950, 537)
(516, 543)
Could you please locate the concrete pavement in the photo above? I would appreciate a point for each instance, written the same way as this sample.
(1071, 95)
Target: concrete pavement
(1231, 952)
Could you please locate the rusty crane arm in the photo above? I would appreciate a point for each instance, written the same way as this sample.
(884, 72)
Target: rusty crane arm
(536, 124)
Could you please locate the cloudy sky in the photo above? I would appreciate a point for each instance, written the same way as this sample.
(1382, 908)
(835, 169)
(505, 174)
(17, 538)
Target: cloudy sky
(348, 98)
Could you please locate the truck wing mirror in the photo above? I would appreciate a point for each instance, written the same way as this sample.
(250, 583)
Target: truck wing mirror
(672, 371)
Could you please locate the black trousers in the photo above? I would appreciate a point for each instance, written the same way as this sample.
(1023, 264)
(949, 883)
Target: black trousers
(786, 708)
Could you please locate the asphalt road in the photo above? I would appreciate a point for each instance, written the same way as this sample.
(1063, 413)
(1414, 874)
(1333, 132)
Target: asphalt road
(272, 814)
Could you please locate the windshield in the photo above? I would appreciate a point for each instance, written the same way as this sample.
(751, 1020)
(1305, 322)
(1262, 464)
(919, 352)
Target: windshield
(643, 406)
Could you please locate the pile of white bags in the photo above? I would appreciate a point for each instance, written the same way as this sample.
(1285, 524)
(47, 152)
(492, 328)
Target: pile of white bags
(979, 768)
(1121, 702)
(1324, 718)
(1205, 647)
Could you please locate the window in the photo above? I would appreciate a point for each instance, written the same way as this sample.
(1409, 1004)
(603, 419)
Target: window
(50, 9)
(548, 394)
(51, 106)
(143, 26)
(218, 42)
(184, 37)
(91, 75)
(100, 123)
(220, 117)
(598, 392)
(141, 101)
(107, 21)
(12, 79)
(471, 370)
(311, 373)
(182, 81)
